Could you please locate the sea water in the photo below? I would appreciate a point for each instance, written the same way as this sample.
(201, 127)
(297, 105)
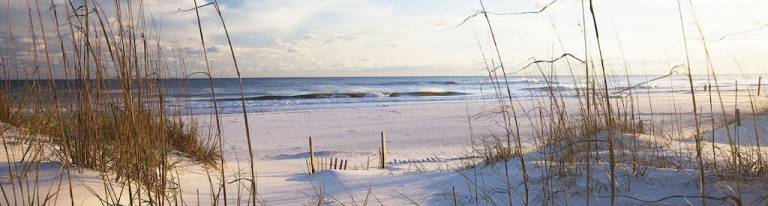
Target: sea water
(287, 94)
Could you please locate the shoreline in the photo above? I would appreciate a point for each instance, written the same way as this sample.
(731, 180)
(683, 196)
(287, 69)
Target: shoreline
(411, 125)
(427, 143)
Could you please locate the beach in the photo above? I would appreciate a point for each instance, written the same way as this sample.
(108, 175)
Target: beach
(326, 103)
(426, 144)
(415, 134)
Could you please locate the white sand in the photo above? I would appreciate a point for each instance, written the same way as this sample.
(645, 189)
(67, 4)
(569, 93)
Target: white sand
(416, 133)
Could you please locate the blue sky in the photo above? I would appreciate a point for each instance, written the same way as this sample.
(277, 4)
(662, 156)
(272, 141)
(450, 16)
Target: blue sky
(415, 37)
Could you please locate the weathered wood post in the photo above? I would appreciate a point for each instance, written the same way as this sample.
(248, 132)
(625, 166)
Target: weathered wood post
(455, 201)
(383, 151)
(759, 85)
(738, 113)
(311, 157)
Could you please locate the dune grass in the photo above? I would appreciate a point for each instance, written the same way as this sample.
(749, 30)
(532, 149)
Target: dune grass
(111, 116)
(109, 112)
(572, 144)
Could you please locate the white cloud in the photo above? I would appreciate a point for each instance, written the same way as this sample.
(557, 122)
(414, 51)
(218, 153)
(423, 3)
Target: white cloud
(332, 37)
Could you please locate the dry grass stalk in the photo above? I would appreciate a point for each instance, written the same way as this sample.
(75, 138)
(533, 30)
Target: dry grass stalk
(697, 136)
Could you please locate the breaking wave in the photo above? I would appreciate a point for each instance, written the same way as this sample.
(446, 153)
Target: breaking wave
(327, 95)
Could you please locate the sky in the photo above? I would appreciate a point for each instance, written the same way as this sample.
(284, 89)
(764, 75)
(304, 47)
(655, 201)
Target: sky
(283, 38)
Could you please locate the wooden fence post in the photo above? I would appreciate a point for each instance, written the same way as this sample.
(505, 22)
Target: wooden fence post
(311, 157)
(738, 113)
(455, 201)
(383, 151)
(759, 85)
(335, 163)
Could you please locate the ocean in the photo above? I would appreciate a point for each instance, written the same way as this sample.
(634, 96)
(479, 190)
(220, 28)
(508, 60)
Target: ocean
(288, 94)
